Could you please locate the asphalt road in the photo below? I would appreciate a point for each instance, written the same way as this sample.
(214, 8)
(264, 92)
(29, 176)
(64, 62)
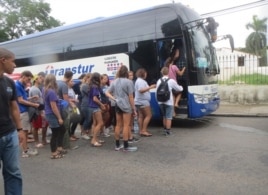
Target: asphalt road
(215, 155)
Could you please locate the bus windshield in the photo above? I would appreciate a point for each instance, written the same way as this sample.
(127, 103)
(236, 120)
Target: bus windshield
(203, 53)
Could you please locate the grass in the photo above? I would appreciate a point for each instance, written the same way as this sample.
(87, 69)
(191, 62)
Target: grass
(250, 79)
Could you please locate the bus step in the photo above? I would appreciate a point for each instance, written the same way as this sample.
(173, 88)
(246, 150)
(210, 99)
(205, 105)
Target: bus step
(181, 110)
(181, 116)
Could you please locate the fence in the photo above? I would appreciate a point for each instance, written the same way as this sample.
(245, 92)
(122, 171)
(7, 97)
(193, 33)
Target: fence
(241, 68)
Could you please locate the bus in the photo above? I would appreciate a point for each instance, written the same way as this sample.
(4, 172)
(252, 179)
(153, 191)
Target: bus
(139, 39)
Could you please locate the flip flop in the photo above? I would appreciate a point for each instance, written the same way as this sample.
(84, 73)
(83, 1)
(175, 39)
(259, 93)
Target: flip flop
(146, 135)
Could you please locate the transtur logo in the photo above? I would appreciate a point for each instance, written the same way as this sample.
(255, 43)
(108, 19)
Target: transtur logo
(80, 69)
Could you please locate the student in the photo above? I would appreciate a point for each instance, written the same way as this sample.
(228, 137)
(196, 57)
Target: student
(166, 108)
(10, 119)
(24, 104)
(39, 121)
(142, 101)
(173, 72)
(85, 110)
(96, 106)
(63, 94)
(53, 117)
(122, 88)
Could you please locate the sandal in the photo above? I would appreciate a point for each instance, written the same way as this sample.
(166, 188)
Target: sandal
(56, 156)
(62, 152)
(39, 145)
(96, 144)
(146, 134)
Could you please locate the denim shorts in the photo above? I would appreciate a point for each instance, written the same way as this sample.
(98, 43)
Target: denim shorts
(52, 120)
(166, 111)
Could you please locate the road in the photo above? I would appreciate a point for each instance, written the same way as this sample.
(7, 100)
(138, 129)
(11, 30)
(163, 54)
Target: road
(215, 155)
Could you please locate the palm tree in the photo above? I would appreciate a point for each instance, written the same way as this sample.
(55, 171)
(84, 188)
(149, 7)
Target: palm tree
(256, 41)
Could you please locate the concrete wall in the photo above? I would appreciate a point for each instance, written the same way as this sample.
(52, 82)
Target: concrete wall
(244, 94)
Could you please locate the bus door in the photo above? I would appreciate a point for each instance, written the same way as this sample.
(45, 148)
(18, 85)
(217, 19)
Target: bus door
(174, 48)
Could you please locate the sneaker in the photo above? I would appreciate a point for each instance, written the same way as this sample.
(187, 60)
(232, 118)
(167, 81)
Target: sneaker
(118, 148)
(32, 152)
(39, 145)
(168, 133)
(130, 149)
(86, 137)
(106, 135)
(133, 140)
(25, 155)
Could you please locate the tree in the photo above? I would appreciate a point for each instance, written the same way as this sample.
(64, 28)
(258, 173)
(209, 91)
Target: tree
(22, 17)
(256, 41)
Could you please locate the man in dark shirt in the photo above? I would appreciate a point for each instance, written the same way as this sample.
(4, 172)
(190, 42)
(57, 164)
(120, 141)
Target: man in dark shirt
(9, 121)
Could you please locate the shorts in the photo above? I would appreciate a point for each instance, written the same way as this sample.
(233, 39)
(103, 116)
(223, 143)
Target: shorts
(175, 93)
(95, 110)
(39, 122)
(25, 121)
(166, 111)
(52, 121)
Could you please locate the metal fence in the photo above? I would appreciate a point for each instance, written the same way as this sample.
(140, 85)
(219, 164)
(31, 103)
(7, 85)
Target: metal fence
(242, 69)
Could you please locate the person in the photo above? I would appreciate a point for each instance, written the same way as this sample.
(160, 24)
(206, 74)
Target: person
(142, 101)
(173, 72)
(77, 90)
(105, 100)
(75, 116)
(166, 108)
(63, 94)
(131, 138)
(53, 116)
(24, 104)
(10, 120)
(39, 121)
(85, 110)
(122, 89)
(96, 107)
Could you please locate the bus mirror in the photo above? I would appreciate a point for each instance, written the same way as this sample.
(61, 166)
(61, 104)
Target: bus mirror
(231, 41)
(212, 28)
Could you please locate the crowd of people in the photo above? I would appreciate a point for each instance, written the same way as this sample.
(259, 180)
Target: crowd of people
(92, 104)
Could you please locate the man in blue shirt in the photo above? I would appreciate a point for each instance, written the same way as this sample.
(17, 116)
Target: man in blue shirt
(24, 103)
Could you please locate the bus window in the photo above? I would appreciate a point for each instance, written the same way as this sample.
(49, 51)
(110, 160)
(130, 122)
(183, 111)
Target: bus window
(144, 56)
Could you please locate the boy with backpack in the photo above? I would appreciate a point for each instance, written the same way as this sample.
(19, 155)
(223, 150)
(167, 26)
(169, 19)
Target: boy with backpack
(164, 98)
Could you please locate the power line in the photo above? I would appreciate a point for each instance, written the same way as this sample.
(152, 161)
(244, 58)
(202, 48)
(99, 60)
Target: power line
(236, 8)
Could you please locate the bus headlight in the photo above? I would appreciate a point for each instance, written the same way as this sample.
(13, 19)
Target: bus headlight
(200, 99)
(205, 98)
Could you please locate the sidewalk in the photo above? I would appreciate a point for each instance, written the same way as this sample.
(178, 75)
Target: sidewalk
(227, 109)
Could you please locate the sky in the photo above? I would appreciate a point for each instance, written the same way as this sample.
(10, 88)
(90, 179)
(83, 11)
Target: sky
(73, 11)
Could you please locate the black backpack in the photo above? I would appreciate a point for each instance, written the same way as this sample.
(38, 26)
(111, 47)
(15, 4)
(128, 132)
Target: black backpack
(162, 92)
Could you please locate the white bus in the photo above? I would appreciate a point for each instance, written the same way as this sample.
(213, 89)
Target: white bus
(140, 39)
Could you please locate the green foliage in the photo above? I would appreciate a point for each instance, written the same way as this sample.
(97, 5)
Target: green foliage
(22, 17)
(256, 41)
(251, 79)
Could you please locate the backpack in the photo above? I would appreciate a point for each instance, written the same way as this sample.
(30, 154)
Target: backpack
(162, 92)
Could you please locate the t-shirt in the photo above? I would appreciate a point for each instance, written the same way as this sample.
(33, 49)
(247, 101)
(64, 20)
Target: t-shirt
(62, 89)
(84, 93)
(122, 87)
(172, 72)
(8, 93)
(94, 91)
(171, 85)
(50, 96)
(20, 89)
(35, 91)
(142, 99)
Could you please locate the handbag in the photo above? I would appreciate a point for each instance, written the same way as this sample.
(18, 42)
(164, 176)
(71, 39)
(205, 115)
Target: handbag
(75, 116)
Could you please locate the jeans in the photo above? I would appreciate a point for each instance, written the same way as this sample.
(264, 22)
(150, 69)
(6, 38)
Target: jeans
(87, 114)
(9, 155)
